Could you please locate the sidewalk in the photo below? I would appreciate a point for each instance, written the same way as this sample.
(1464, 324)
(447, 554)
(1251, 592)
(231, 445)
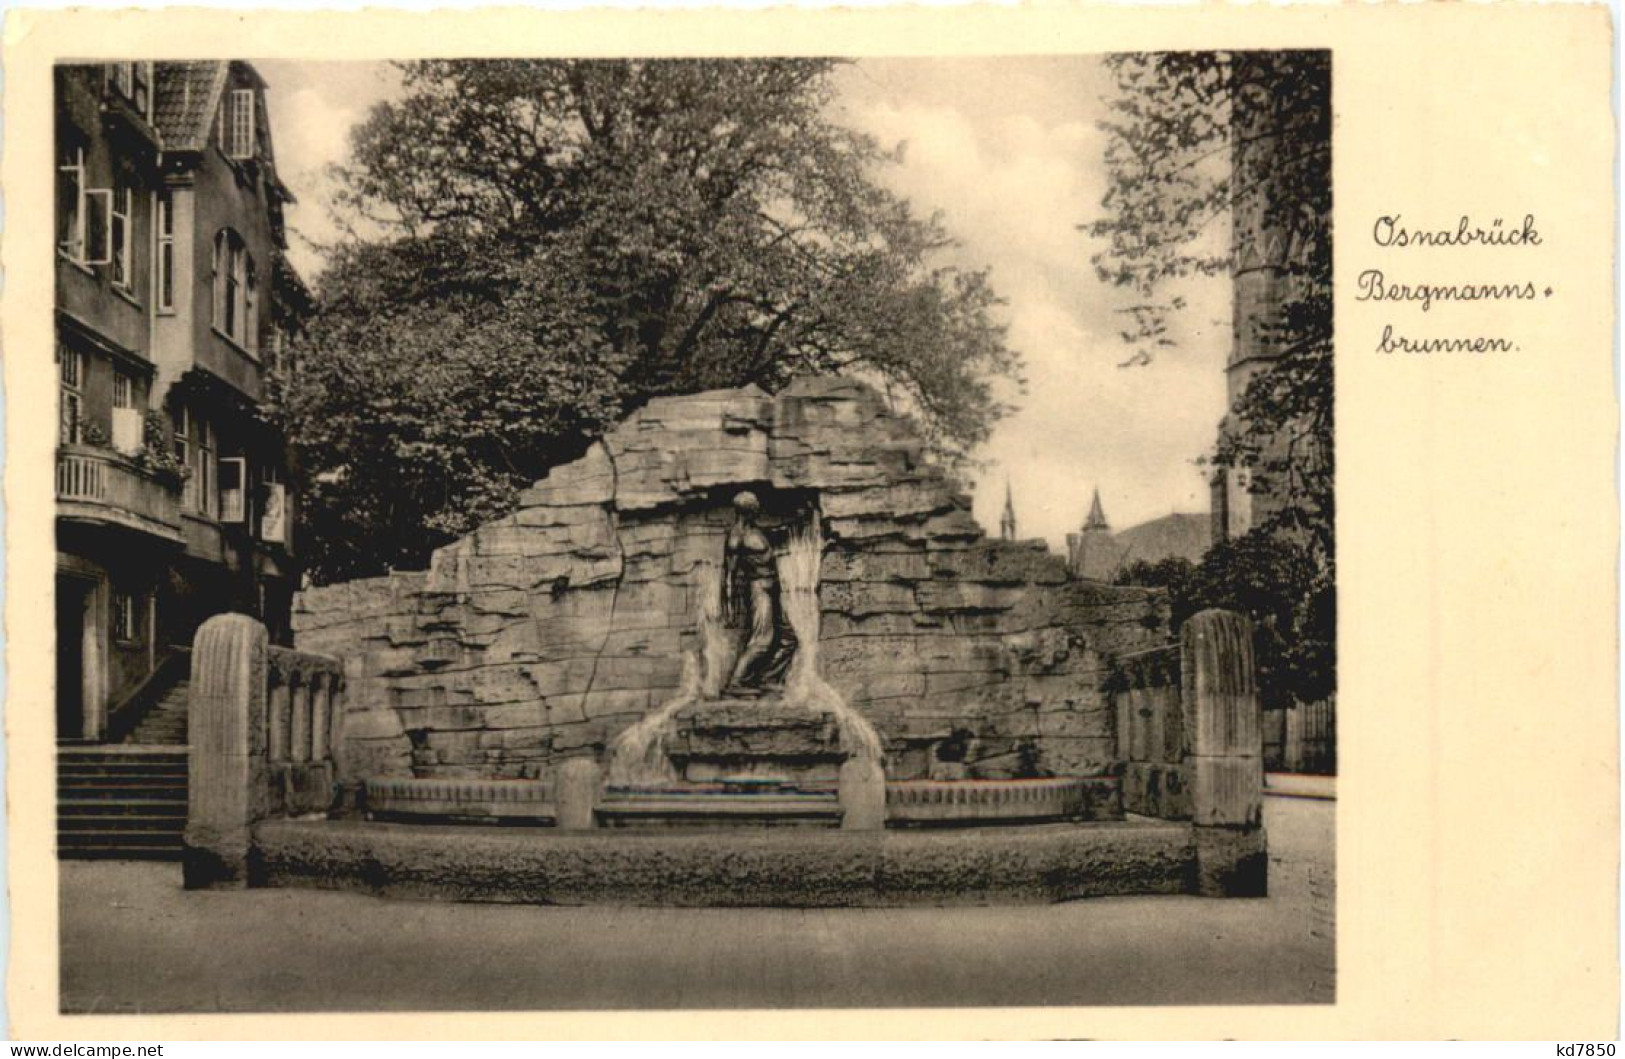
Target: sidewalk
(1299, 785)
(133, 940)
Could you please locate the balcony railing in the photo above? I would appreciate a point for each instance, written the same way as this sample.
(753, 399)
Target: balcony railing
(99, 485)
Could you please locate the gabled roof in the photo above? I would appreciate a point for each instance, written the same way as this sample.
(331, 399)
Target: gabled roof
(185, 98)
(1176, 536)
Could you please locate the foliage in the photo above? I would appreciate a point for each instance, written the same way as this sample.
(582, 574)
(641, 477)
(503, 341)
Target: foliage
(1196, 140)
(157, 454)
(1277, 582)
(1173, 574)
(94, 434)
(545, 245)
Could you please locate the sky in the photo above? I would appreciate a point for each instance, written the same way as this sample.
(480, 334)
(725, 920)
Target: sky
(1008, 149)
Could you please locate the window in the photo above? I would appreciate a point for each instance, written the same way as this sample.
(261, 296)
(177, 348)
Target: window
(134, 82)
(274, 522)
(278, 340)
(128, 425)
(84, 215)
(251, 317)
(70, 204)
(183, 456)
(237, 137)
(233, 489)
(163, 253)
(71, 406)
(203, 472)
(126, 617)
(119, 235)
(234, 311)
(98, 227)
(141, 95)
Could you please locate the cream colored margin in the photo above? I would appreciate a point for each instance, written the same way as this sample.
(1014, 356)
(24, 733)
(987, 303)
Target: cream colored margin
(1478, 804)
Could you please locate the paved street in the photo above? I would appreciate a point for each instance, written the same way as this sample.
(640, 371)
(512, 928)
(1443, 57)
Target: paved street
(134, 941)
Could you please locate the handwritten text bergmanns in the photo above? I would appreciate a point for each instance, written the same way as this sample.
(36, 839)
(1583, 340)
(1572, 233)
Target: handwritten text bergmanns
(1391, 232)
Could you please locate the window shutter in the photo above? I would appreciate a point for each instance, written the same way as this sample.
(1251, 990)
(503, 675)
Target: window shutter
(98, 226)
(127, 430)
(242, 123)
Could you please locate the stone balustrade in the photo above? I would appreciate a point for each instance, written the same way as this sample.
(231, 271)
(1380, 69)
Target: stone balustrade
(1002, 801)
(263, 723)
(1190, 744)
(459, 799)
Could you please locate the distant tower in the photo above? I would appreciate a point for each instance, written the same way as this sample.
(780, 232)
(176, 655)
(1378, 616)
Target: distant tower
(1007, 521)
(1097, 516)
(1271, 244)
(1091, 552)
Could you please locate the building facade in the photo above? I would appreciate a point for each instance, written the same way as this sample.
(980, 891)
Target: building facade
(1280, 256)
(173, 300)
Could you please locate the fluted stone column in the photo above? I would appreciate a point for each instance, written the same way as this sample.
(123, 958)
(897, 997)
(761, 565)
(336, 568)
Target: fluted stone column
(575, 794)
(861, 788)
(228, 788)
(1225, 765)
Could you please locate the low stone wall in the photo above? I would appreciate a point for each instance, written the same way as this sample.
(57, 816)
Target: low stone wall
(541, 636)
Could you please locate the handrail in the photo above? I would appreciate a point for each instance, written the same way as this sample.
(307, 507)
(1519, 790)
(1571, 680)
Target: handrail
(123, 718)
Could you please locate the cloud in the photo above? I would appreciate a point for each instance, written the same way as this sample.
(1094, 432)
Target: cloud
(1010, 153)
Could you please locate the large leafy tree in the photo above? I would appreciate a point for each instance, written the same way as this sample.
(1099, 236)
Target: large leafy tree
(1199, 141)
(541, 246)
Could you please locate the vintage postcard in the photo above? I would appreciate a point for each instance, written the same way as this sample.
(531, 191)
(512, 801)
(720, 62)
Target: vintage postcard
(1053, 521)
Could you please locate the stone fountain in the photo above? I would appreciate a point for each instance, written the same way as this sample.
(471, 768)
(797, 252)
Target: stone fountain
(775, 611)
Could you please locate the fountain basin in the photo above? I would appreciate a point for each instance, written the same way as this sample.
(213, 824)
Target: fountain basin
(949, 802)
(760, 738)
(712, 807)
(736, 868)
(475, 800)
(767, 802)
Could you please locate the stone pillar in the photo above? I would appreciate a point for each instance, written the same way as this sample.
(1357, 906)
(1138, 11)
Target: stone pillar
(299, 704)
(228, 786)
(862, 792)
(280, 718)
(575, 794)
(1225, 765)
(321, 692)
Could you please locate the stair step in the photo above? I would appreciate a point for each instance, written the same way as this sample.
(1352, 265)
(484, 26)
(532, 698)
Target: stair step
(120, 825)
(124, 779)
(117, 852)
(119, 837)
(172, 793)
(124, 768)
(125, 752)
(127, 801)
(167, 807)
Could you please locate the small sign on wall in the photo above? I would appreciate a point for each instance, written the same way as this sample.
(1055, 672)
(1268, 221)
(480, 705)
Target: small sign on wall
(274, 522)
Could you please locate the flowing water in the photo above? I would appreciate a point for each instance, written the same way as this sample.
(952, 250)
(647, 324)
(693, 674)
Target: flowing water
(637, 757)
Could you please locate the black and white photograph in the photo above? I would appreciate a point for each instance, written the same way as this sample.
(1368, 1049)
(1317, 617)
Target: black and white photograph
(648, 533)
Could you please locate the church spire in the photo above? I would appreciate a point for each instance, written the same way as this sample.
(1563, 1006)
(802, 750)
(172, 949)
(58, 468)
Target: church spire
(1097, 514)
(1007, 521)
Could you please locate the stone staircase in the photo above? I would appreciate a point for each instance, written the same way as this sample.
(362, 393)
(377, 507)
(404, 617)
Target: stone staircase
(165, 723)
(121, 802)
